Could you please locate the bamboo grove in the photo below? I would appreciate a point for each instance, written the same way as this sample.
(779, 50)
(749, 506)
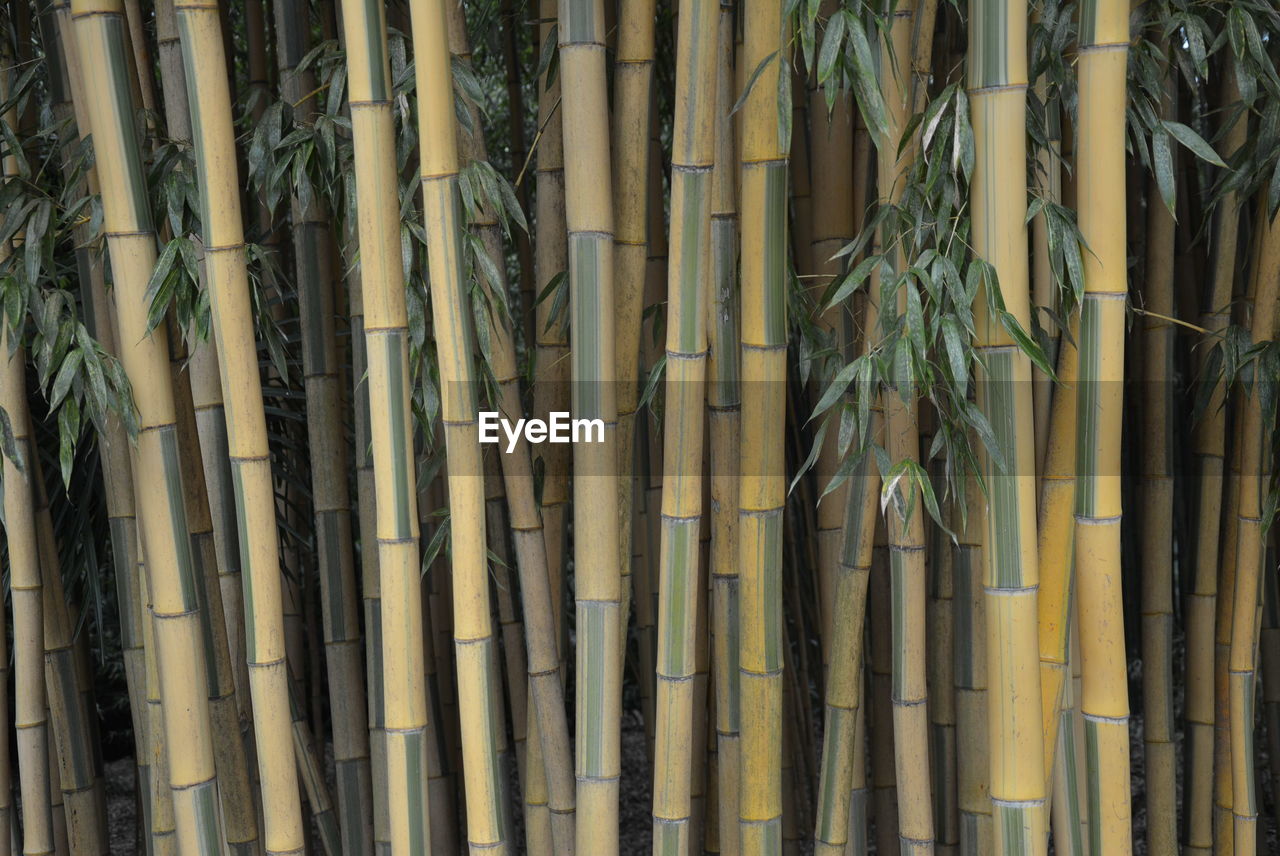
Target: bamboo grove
(921, 359)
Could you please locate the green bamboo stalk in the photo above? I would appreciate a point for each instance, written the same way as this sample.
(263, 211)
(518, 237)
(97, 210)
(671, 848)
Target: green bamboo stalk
(480, 712)
(679, 566)
(100, 29)
(942, 692)
(598, 586)
(724, 406)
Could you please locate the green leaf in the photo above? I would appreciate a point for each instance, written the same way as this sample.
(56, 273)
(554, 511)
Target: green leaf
(651, 385)
(832, 42)
(751, 82)
(9, 443)
(68, 434)
(865, 79)
(66, 374)
(1162, 160)
(1193, 141)
(838, 386)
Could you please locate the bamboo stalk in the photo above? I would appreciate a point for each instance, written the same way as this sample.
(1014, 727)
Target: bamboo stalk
(1209, 441)
(834, 226)
(551, 354)
(679, 599)
(127, 224)
(68, 98)
(331, 503)
(724, 417)
(598, 581)
(762, 464)
(27, 593)
(633, 98)
(973, 778)
(544, 677)
(1104, 39)
(1249, 553)
(997, 94)
(1157, 510)
(74, 762)
(884, 783)
(386, 351)
(844, 702)
(902, 441)
(162, 835)
(479, 710)
(240, 815)
(227, 278)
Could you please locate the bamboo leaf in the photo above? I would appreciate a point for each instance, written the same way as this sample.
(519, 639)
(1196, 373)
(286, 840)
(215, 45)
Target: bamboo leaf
(832, 42)
(1162, 160)
(68, 433)
(865, 81)
(9, 443)
(838, 386)
(651, 385)
(814, 449)
(66, 374)
(751, 82)
(850, 282)
(1193, 141)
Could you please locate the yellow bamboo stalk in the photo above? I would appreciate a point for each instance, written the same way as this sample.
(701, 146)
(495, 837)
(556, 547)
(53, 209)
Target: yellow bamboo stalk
(127, 224)
(997, 94)
(26, 590)
(386, 349)
(902, 441)
(544, 677)
(1249, 552)
(598, 580)
(1104, 39)
(551, 354)
(226, 275)
(479, 710)
(762, 463)
(630, 143)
